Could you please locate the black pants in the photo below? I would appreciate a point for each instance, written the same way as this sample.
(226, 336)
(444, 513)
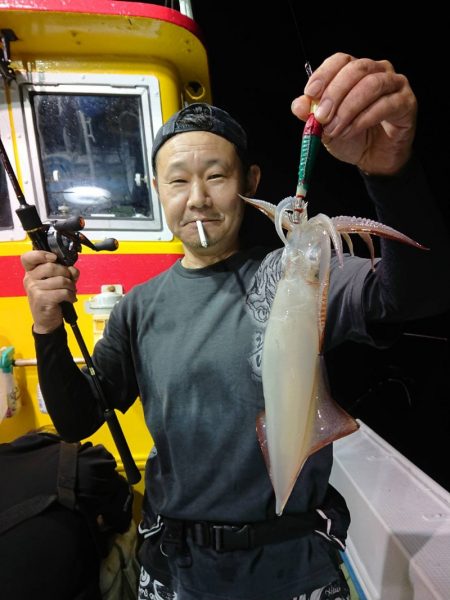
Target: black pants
(336, 590)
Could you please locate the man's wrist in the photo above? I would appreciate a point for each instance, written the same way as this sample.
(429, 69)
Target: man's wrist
(400, 173)
(41, 330)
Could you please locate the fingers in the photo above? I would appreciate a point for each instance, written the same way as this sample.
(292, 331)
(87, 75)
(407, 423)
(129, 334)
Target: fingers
(356, 94)
(47, 284)
(42, 265)
(36, 257)
(318, 83)
(380, 97)
(74, 274)
(355, 87)
(326, 73)
(49, 291)
(54, 284)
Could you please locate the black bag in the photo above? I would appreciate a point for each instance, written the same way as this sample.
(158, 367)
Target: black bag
(61, 506)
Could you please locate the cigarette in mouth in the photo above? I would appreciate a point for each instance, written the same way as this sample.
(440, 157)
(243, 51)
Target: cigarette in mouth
(201, 234)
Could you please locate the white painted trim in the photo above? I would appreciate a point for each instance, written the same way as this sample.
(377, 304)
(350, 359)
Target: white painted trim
(16, 232)
(147, 86)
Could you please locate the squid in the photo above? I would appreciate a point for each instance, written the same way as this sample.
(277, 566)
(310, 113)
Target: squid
(300, 415)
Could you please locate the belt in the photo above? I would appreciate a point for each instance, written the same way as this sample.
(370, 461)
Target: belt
(223, 537)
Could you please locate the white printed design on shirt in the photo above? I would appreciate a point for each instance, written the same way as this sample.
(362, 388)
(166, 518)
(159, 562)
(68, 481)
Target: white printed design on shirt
(259, 302)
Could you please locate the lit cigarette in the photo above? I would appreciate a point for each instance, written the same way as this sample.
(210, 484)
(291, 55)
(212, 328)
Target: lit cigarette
(201, 234)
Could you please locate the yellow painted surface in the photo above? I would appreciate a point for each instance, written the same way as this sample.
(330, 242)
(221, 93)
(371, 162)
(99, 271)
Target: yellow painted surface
(15, 330)
(173, 247)
(46, 39)
(65, 42)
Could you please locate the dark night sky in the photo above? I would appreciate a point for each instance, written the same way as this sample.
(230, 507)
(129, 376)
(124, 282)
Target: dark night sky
(256, 65)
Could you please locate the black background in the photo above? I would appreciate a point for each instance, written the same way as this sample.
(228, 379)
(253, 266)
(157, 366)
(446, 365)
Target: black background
(257, 69)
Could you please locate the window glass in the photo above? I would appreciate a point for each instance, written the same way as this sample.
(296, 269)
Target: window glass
(92, 155)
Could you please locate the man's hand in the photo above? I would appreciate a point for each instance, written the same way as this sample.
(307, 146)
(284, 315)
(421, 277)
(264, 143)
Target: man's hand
(47, 284)
(367, 109)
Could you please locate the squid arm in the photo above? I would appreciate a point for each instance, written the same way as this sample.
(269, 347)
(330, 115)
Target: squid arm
(344, 226)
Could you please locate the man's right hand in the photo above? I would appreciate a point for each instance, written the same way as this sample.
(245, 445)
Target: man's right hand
(367, 109)
(47, 284)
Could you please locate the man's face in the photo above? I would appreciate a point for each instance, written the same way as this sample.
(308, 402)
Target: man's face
(199, 177)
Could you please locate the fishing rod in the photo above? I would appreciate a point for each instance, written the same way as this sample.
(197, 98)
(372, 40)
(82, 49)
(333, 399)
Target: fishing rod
(64, 239)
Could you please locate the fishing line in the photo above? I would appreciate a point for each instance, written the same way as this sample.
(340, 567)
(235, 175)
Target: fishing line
(308, 68)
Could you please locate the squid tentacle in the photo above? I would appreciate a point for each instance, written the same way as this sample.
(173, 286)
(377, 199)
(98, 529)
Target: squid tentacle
(368, 226)
(324, 280)
(279, 215)
(331, 230)
(344, 225)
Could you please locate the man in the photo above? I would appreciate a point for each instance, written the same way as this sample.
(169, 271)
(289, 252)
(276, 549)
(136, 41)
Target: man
(189, 341)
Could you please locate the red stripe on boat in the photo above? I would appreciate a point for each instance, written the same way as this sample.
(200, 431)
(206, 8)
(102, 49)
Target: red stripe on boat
(96, 270)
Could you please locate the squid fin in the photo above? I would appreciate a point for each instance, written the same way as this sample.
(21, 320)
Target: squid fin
(331, 422)
(328, 422)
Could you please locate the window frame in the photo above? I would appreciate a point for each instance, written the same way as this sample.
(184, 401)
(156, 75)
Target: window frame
(146, 87)
(16, 231)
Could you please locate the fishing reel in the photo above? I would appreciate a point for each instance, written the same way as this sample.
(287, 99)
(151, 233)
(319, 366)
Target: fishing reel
(65, 240)
(62, 237)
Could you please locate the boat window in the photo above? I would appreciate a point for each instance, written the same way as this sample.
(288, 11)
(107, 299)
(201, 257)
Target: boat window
(92, 154)
(89, 143)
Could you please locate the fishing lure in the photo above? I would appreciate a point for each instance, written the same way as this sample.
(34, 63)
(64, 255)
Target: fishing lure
(300, 415)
